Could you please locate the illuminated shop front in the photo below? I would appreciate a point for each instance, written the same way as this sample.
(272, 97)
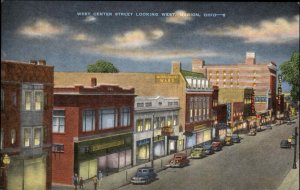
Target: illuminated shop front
(109, 154)
(159, 146)
(143, 150)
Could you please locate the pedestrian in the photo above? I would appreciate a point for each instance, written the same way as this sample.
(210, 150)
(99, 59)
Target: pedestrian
(81, 183)
(95, 182)
(99, 176)
(75, 180)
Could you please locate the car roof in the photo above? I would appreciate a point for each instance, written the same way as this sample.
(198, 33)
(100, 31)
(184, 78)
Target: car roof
(145, 168)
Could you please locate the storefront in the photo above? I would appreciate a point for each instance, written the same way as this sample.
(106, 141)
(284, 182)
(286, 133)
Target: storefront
(172, 144)
(190, 140)
(109, 154)
(221, 130)
(159, 146)
(143, 151)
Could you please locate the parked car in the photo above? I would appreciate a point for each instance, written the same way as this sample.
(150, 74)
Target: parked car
(208, 149)
(219, 140)
(268, 126)
(252, 132)
(259, 129)
(285, 144)
(217, 146)
(144, 175)
(228, 141)
(179, 160)
(235, 138)
(289, 122)
(198, 152)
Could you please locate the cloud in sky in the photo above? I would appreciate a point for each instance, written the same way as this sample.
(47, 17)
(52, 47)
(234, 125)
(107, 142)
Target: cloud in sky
(137, 38)
(276, 31)
(180, 17)
(82, 37)
(90, 19)
(42, 28)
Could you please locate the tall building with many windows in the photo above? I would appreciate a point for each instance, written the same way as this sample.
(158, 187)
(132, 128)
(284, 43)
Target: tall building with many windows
(92, 130)
(26, 119)
(259, 76)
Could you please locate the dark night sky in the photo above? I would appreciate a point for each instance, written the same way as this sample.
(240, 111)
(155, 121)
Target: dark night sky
(54, 31)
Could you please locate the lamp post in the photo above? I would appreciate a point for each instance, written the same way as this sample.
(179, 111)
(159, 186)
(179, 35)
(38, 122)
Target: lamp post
(6, 162)
(295, 148)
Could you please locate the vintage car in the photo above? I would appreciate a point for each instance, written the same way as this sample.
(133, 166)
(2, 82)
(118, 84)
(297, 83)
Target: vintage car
(235, 138)
(144, 175)
(179, 160)
(208, 149)
(197, 152)
(228, 141)
(217, 146)
(252, 132)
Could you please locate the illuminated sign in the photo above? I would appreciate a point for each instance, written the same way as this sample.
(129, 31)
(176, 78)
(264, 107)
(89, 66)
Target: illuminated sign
(228, 113)
(96, 147)
(260, 99)
(165, 78)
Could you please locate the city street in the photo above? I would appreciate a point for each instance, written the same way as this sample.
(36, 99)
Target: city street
(257, 163)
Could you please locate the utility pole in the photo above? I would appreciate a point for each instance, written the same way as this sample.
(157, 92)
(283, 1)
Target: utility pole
(295, 149)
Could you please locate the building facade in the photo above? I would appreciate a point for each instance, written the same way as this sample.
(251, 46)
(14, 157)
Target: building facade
(92, 130)
(26, 119)
(259, 76)
(156, 130)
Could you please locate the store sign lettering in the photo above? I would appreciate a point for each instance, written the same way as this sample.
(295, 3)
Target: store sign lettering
(97, 147)
(166, 78)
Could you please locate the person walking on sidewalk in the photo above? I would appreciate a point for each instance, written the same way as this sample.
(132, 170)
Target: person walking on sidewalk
(81, 183)
(95, 180)
(75, 180)
(99, 177)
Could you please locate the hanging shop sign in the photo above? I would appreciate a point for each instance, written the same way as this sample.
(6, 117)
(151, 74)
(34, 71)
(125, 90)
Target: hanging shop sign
(167, 130)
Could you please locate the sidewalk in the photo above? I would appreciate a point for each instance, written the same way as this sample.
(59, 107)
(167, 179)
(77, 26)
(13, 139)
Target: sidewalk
(291, 181)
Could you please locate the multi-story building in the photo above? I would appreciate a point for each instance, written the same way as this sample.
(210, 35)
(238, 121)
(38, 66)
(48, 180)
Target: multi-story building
(192, 89)
(259, 76)
(92, 130)
(156, 131)
(26, 119)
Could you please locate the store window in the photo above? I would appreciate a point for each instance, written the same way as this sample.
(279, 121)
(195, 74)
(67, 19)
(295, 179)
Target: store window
(139, 125)
(125, 117)
(156, 122)
(147, 124)
(58, 121)
(88, 120)
(175, 120)
(162, 121)
(108, 118)
(169, 120)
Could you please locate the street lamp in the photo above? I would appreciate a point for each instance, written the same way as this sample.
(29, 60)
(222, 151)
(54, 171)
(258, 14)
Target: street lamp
(6, 162)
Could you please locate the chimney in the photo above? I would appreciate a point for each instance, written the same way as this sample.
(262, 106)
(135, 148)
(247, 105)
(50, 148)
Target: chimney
(33, 62)
(250, 58)
(176, 67)
(93, 81)
(41, 62)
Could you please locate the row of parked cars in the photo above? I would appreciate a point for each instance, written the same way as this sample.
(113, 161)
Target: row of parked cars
(145, 175)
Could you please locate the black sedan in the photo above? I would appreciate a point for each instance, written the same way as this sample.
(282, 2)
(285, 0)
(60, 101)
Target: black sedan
(285, 144)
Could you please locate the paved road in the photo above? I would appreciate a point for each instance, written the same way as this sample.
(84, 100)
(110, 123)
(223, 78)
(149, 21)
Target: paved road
(257, 163)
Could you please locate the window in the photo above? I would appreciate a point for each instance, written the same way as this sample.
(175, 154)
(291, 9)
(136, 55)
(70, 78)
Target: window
(169, 120)
(125, 117)
(2, 136)
(13, 136)
(27, 137)
(207, 107)
(88, 120)
(170, 103)
(200, 108)
(175, 120)
(108, 118)
(58, 121)
(162, 121)
(37, 135)
(196, 109)
(139, 125)
(58, 148)
(156, 122)
(147, 124)
(38, 100)
(139, 105)
(2, 101)
(191, 109)
(27, 100)
(148, 104)
(176, 104)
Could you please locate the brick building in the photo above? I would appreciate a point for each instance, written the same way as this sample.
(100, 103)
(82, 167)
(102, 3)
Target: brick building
(191, 88)
(92, 130)
(26, 119)
(259, 76)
